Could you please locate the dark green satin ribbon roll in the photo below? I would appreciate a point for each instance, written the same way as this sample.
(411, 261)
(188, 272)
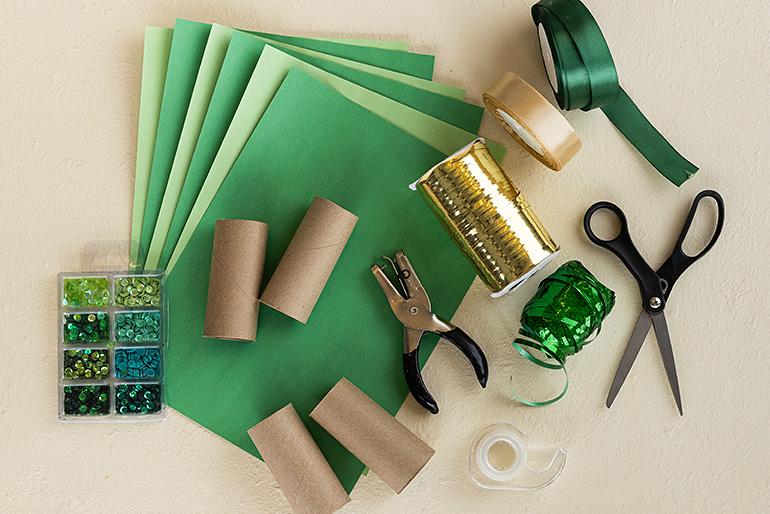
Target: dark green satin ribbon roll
(586, 78)
(565, 314)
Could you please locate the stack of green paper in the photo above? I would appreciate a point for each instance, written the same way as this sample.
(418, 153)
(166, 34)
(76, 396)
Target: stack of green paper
(236, 124)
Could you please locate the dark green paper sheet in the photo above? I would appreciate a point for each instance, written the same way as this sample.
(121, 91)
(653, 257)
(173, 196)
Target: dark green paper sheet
(241, 58)
(312, 141)
(187, 47)
(417, 65)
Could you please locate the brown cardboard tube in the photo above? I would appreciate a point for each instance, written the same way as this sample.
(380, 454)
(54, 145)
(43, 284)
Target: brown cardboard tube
(381, 442)
(297, 464)
(237, 261)
(309, 259)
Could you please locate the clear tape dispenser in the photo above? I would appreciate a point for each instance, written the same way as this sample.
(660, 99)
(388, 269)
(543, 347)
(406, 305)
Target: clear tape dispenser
(499, 460)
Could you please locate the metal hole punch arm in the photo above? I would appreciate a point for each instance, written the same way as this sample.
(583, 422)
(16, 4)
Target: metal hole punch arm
(412, 308)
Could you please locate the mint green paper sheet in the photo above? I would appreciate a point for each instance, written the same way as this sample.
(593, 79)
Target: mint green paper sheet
(312, 141)
(457, 112)
(184, 184)
(188, 46)
(268, 75)
(157, 45)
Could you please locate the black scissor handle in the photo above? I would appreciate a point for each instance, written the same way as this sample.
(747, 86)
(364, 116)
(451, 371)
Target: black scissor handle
(466, 345)
(679, 261)
(623, 247)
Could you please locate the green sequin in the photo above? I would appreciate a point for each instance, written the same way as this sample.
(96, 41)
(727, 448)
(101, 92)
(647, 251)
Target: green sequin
(138, 326)
(129, 398)
(86, 364)
(138, 291)
(86, 292)
(86, 400)
(93, 327)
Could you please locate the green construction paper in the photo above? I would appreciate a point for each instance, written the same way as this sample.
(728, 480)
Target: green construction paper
(211, 63)
(157, 45)
(386, 44)
(239, 62)
(187, 45)
(334, 148)
(457, 112)
(418, 65)
(268, 75)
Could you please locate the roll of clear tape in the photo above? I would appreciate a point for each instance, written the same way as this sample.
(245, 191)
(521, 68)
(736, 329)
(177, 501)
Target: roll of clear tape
(499, 460)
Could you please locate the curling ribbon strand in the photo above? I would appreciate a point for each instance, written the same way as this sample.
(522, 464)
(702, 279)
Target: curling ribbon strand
(565, 314)
(586, 78)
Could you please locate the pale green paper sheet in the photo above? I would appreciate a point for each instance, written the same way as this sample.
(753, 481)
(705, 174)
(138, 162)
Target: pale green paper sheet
(211, 63)
(157, 45)
(400, 46)
(207, 75)
(271, 69)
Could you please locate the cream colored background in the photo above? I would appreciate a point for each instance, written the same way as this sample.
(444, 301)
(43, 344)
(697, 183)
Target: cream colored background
(68, 101)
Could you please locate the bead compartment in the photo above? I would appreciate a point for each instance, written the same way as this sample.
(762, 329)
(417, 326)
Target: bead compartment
(102, 341)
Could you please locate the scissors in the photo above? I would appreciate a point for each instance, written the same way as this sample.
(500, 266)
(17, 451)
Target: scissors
(412, 308)
(654, 286)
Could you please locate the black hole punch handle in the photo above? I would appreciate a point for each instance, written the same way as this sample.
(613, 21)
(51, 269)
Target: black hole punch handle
(471, 351)
(679, 261)
(623, 247)
(415, 383)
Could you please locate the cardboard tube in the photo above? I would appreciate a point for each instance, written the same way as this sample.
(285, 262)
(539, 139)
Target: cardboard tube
(381, 442)
(297, 464)
(237, 261)
(309, 259)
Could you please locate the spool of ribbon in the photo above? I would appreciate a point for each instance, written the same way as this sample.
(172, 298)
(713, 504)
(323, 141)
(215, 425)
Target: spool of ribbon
(565, 314)
(488, 218)
(583, 76)
(532, 121)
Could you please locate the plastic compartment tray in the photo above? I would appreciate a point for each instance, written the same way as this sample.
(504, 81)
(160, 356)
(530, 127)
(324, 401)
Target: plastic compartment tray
(114, 300)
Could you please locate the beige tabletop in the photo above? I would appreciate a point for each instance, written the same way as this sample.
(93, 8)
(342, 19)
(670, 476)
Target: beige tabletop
(69, 93)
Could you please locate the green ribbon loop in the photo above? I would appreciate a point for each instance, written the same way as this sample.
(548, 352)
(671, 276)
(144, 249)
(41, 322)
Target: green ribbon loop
(586, 78)
(565, 314)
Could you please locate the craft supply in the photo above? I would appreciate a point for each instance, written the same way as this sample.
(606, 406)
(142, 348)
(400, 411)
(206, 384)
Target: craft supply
(90, 400)
(142, 399)
(237, 261)
(86, 364)
(582, 75)
(137, 291)
(137, 327)
(532, 121)
(134, 363)
(309, 259)
(564, 315)
(86, 327)
(654, 286)
(285, 162)
(86, 292)
(380, 441)
(297, 464)
(270, 72)
(499, 460)
(411, 306)
(97, 357)
(487, 217)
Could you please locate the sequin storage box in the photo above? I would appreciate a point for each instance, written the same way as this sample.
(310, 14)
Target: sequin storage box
(112, 337)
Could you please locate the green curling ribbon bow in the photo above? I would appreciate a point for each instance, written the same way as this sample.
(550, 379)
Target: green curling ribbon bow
(586, 78)
(565, 314)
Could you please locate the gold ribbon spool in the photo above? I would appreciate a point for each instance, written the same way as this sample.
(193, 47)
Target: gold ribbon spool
(532, 121)
(487, 217)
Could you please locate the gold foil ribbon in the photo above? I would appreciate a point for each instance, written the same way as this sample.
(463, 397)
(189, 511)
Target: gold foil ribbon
(487, 217)
(532, 121)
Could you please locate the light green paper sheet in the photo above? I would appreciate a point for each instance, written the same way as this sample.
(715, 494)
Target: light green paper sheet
(270, 71)
(207, 74)
(312, 141)
(187, 48)
(385, 44)
(157, 45)
(211, 63)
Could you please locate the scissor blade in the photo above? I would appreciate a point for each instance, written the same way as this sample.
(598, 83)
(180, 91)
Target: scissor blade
(629, 355)
(667, 354)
